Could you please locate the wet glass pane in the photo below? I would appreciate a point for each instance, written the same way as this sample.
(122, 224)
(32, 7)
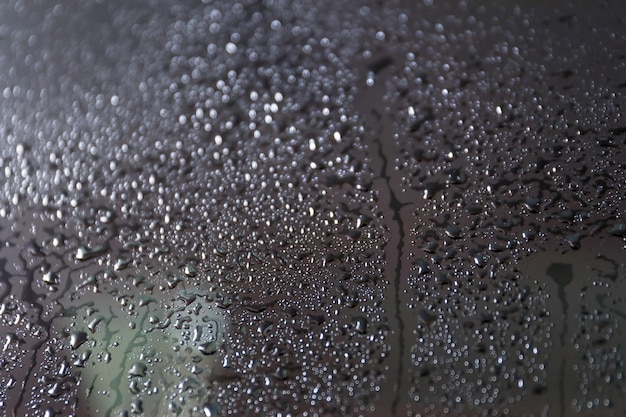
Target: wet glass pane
(286, 208)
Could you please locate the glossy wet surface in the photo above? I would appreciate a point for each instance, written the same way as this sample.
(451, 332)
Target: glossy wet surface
(283, 208)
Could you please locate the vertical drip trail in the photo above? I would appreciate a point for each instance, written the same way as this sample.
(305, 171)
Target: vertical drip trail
(396, 268)
(563, 275)
(395, 205)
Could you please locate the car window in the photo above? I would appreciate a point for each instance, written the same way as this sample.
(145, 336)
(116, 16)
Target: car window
(312, 209)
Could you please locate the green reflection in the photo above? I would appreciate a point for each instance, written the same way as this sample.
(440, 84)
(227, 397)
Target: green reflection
(145, 354)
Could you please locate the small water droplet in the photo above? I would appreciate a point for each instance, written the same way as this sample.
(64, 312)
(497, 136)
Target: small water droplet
(138, 369)
(77, 339)
(84, 253)
(453, 231)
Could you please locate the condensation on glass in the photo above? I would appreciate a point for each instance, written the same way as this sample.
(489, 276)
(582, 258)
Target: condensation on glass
(297, 209)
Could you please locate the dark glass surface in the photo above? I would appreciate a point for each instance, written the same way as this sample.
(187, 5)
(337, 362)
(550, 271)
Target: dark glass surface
(312, 208)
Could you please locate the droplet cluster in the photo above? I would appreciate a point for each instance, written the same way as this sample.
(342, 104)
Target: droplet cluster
(285, 208)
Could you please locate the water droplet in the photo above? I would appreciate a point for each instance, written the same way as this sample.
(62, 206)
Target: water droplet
(84, 253)
(208, 348)
(138, 369)
(77, 339)
(453, 231)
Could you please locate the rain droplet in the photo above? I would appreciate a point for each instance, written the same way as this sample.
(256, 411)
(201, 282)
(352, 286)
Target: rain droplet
(83, 253)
